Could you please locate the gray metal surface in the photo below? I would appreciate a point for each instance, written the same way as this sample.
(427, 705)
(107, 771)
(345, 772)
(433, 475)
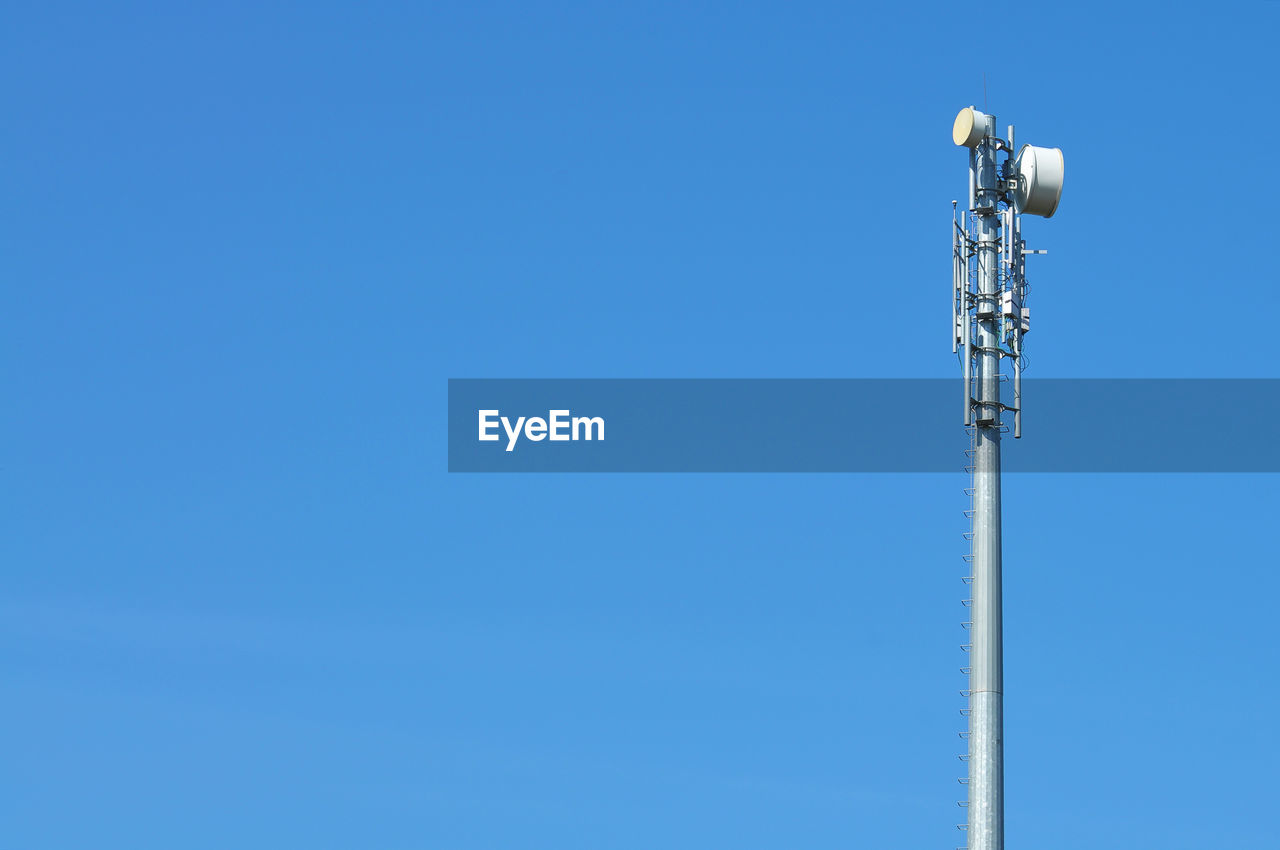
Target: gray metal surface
(990, 321)
(986, 673)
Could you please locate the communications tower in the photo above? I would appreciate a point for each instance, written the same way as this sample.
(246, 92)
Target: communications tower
(989, 322)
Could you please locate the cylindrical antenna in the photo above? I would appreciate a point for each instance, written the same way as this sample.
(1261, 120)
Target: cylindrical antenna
(1017, 385)
(957, 304)
(973, 181)
(966, 329)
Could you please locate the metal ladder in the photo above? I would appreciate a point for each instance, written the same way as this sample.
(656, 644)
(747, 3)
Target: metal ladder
(969, 454)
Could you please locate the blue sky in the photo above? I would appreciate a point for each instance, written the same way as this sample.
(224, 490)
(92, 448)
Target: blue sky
(246, 246)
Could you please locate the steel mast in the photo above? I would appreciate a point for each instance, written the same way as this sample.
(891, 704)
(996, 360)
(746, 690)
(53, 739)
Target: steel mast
(989, 322)
(986, 675)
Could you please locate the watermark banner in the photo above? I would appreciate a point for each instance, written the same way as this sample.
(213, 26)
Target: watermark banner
(857, 425)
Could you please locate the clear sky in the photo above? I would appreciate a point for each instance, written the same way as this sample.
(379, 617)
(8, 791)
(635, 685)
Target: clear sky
(246, 244)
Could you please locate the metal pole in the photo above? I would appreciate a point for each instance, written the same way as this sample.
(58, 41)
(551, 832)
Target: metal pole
(986, 674)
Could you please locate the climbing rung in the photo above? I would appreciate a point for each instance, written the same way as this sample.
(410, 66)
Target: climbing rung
(966, 670)
(968, 603)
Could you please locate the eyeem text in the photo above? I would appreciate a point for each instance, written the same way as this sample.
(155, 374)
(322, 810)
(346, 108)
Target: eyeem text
(559, 426)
